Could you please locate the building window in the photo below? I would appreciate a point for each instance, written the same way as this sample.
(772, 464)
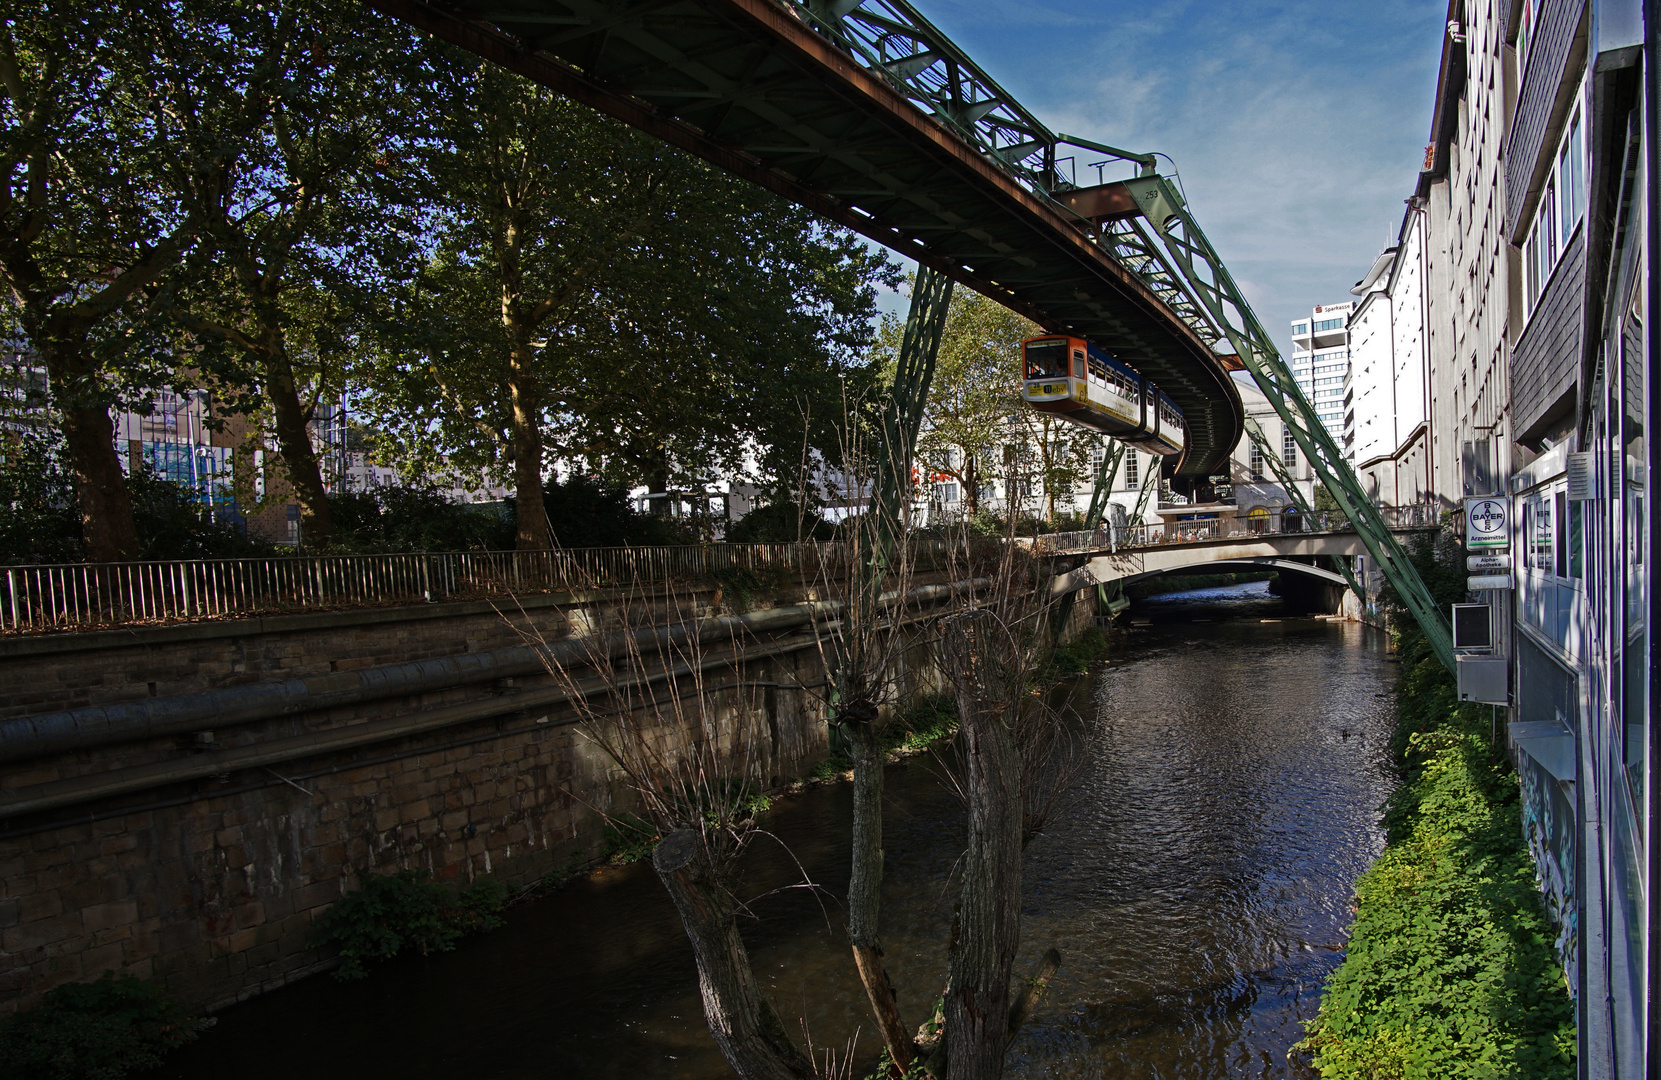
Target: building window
(1256, 465)
(1289, 449)
(1562, 205)
(1329, 324)
(1130, 469)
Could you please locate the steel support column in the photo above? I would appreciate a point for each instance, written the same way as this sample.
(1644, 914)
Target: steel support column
(902, 417)
(1210, 283)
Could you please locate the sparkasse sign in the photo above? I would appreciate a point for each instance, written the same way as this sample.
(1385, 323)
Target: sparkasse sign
(1487, 523)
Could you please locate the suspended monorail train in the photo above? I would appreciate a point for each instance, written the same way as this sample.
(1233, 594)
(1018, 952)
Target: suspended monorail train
(1077, 381)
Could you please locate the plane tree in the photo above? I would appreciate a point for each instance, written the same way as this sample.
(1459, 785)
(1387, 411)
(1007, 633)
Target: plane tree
(308, 224)
(974, 402)
(110, 140)
(593, 295)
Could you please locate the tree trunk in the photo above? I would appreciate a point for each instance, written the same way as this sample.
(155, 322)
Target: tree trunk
(534, 533)
(740, 1017)
(977, 1006)
(971, 486)
(108, 532)
(294, 444)
(657, 475)
(865, 889)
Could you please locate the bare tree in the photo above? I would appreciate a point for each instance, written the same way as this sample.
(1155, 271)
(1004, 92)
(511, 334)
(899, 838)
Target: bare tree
(862, 652)
(647, 698)
(1017, 764)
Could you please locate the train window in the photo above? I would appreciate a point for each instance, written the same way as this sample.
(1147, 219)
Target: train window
(1047, 359)
(1098, 372)
(1078, 363)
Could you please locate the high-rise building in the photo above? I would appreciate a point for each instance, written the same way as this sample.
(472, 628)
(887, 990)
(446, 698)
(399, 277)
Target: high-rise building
(1321, 359)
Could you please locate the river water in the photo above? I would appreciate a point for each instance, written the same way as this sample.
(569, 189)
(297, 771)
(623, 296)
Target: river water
(1198, 888)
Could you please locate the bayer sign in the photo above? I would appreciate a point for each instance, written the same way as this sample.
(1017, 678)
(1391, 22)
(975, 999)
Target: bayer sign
(1487, 523)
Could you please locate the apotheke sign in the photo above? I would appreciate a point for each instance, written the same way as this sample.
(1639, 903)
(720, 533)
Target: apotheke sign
(1487, 523)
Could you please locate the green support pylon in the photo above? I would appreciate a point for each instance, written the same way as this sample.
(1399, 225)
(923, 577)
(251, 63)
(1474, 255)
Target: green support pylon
(1150, 484)
(1107, 470)
(1212, 287)
(1254, 431)
(902, 417)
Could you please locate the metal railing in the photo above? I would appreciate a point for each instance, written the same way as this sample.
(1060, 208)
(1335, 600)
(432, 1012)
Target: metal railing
(91, 595)
(94, 595)
(86, 595)
(1282, 523)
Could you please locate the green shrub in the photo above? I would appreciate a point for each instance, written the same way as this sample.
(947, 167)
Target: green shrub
(779, 523)
(629, 839)
(1450, 969)
(391, 913)
(417, 517)
(40, 519)
(101, 1030)
(919, 725)
(586, 512)
(1075, 658)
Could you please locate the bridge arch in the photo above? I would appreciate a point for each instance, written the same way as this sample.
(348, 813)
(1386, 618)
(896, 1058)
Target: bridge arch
(1225, 566)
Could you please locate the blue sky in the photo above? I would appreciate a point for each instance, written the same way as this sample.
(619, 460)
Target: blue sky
(1298, 127)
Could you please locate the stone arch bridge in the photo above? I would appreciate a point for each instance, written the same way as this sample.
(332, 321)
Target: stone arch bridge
(1167, 552)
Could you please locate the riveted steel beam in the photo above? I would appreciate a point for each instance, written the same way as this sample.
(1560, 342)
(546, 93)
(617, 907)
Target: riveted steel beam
(921, 151)
(1211, 285)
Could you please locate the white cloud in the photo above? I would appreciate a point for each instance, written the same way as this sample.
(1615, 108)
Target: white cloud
(1297, 127)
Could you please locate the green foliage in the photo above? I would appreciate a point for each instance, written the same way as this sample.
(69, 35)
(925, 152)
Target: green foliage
(912, 729)
(644, 313)
(586, 512)
(1075, 657)
(1325, 502)
(174, 524)
(101, 1030)
(416, 517)
(974, 396)
(740, 588)
(629, 839)
(391, 913)
(1450, 969)
(779, 523)
(40, 522)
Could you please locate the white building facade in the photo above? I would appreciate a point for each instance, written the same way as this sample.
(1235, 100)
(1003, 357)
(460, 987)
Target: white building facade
(1320, 361)
(1387, 396)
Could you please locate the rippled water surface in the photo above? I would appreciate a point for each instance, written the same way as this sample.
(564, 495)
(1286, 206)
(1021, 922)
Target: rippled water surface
(1197, 889)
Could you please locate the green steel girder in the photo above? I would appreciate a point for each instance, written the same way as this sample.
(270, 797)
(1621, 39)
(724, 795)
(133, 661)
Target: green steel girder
(1210, 284)
(1107, 470)
(902, 420)
(868, 115)
(1150, 484)
(1277, 465)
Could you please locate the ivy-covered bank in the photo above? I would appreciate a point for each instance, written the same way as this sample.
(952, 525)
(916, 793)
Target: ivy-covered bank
(1450, 969)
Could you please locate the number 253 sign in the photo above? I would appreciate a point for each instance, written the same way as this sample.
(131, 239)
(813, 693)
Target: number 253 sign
(1487, 523)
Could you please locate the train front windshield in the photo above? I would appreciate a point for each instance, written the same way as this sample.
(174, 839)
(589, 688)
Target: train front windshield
(1047, 359)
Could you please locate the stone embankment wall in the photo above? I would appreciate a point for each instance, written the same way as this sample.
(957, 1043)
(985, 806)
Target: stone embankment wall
(183, 835)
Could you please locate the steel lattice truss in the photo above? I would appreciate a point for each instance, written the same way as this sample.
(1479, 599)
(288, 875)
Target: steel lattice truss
(869, 115)
(893, 39)
(865, 112)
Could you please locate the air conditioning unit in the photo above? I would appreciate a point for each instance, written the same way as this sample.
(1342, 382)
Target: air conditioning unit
(1484, 679)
